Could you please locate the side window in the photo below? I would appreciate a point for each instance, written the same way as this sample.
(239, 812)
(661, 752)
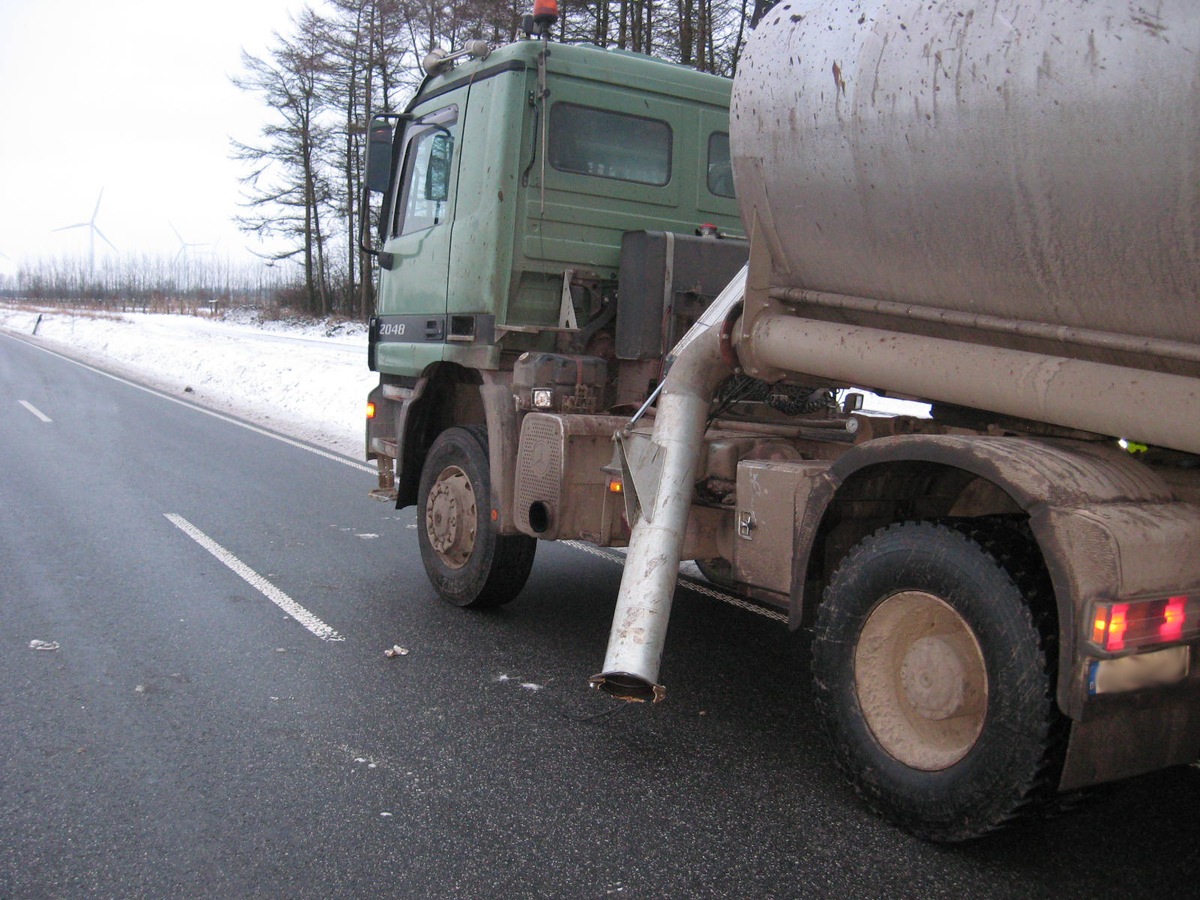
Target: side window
(609, 144)
(720, 169)
(425, 187)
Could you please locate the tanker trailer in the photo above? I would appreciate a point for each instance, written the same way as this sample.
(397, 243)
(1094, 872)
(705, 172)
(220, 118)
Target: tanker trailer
(992, 208)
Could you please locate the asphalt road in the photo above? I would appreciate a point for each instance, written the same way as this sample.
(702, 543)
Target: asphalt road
(189, 737)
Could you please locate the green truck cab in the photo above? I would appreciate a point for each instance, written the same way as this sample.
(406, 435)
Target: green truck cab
(566, 209)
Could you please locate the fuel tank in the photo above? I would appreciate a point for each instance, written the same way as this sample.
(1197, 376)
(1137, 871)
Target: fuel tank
(1017, 174)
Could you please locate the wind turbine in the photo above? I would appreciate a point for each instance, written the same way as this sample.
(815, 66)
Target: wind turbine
(184, 246)
(93, 230)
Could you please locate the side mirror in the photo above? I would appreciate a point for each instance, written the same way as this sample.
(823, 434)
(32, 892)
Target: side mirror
(379, 155)
(380, 140)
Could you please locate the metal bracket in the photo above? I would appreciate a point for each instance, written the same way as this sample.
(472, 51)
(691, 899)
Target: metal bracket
(566, 306)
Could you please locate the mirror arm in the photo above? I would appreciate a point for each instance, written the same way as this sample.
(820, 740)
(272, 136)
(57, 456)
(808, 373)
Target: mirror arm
(363, 213)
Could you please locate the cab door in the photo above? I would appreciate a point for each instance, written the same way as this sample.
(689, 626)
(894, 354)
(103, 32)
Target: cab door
(415, 258)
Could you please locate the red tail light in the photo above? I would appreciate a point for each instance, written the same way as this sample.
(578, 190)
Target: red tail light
(1175, 617)
(1135, 624)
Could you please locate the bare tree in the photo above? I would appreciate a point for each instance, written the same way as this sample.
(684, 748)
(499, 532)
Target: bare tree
(365, 64)
(330, 73)
(287, 190)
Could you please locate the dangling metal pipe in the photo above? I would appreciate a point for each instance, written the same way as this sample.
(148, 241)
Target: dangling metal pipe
(639, 627)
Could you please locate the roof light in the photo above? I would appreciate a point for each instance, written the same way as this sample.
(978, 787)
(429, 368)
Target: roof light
(545, 12)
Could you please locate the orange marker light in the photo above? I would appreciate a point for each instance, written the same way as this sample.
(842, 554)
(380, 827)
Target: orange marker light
(1117, 624)
(370, 410)
(615, 486)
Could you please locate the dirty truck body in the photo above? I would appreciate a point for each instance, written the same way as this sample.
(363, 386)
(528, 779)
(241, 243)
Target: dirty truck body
(992, 211)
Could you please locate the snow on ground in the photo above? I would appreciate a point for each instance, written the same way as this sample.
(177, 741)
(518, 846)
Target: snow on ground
(306, 380)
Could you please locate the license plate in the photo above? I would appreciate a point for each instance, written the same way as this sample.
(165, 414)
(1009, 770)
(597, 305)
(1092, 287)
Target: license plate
(1143, 670)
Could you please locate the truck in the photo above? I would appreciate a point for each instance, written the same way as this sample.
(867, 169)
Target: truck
(992, 209)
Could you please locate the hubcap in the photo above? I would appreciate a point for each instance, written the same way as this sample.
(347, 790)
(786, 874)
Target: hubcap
(921, 680)
(450, 517)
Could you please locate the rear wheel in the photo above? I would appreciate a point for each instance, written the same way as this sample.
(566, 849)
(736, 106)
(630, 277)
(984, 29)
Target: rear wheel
(933, 660)
(466, 561)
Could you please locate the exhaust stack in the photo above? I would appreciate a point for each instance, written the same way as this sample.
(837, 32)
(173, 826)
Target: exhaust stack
(639, 628)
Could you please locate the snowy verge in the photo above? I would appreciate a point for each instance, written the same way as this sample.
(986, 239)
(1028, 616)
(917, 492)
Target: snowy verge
(306, 380)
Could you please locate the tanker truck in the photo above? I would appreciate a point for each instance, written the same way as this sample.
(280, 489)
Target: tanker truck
(992, 209)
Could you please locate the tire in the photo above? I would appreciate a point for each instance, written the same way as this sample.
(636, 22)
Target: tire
(934, 658)
(468, 564)
(717, 572)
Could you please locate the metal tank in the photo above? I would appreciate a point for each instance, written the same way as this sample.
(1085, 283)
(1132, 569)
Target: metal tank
(1023, 175)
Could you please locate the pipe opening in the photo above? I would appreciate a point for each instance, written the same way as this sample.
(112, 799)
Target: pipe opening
(539, 517)
(629, 687)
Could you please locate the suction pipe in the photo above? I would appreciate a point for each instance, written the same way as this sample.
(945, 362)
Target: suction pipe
(639, 626)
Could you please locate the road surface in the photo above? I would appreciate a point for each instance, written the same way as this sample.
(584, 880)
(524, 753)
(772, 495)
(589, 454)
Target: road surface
(219, 718)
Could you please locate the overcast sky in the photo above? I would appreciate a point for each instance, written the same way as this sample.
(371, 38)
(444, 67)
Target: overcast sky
(131, 97)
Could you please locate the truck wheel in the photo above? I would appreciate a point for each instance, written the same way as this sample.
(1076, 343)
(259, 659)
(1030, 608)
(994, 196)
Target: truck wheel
(717, 572)
(467, 562)
(933, 665)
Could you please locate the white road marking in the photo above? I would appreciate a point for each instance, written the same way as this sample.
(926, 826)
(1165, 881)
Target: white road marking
(33, 409)
(256, 581)
(688, 583)
(362, 467)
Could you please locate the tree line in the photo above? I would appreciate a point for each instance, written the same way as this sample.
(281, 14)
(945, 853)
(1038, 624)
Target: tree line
(339, 61)
(152, 283)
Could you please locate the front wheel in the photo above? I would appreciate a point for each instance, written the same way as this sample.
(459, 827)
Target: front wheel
(466, 561)
(933, 663)
(717, 571)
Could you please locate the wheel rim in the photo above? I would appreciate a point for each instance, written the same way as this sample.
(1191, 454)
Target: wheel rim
(450, 517)
(921, 680)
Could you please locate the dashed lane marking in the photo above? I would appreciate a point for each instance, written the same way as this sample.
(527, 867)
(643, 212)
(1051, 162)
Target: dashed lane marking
(256, 581)
(33, 409)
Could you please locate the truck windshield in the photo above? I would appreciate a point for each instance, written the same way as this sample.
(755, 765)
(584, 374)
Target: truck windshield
(609, 144)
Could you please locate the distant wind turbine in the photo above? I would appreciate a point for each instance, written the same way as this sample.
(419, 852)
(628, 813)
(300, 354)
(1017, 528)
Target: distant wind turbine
(93, 230)
(184, 246)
